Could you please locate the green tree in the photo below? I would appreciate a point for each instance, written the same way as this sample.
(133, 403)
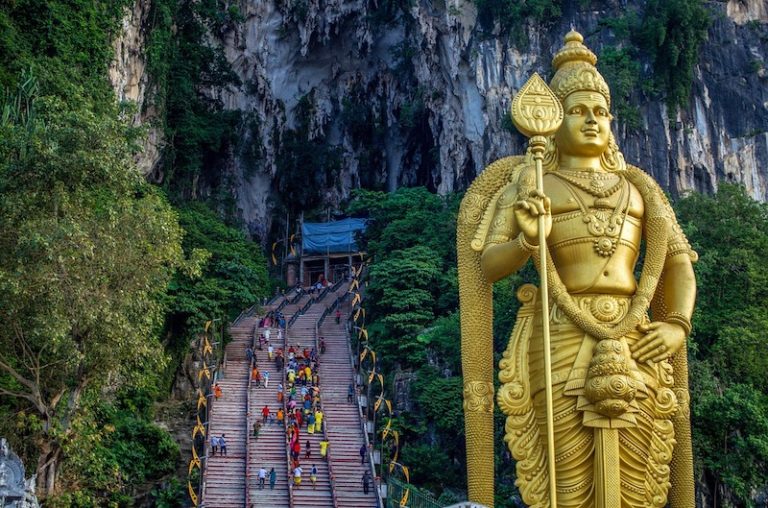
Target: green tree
(729, 346)
(233, 275)
(86, 252)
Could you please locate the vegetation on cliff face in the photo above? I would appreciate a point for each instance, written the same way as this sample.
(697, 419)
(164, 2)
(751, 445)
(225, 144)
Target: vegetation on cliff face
(666, 34)
(181, 60)
(99, 281)
(413, 326)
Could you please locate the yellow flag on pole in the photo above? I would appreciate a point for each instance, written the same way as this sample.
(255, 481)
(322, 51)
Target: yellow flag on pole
(207, 348)
(198, 428)
(404, 500)
(192, 494)
(195, 461)
(385, 432)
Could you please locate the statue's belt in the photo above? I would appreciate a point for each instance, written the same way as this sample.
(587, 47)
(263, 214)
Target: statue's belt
(607, 309)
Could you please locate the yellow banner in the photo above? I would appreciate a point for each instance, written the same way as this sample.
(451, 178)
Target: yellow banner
(377, 404)
(192, 494)
(385, 432)
(204, 372)
(389, 405)
(363, 334)
(201, 399)
(207, 348)
(406, 473)
(357, 314)
(370, 376)
(198, 428)
(207, 325)
(195, 461)
(404, 500)
(355, 284)
(362, 355)
(356, 299)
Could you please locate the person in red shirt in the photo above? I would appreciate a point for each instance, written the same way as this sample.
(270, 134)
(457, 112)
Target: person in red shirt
(265, 413)
(298, 417)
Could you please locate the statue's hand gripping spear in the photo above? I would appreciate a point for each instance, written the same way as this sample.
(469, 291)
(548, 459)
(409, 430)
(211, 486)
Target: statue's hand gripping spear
(537, 113)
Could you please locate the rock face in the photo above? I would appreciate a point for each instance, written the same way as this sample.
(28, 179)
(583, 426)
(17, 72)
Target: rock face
(131, 81)
(417, 95)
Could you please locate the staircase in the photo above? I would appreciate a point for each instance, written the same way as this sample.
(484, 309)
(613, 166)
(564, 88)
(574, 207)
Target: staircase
(232, 481)
(268, 450)
(302, 334)
(224, 477)
(344, 430)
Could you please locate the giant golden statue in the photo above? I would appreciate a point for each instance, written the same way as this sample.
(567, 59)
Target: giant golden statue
(600, 384)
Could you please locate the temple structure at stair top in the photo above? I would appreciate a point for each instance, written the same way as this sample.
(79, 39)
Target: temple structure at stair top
(327, 251)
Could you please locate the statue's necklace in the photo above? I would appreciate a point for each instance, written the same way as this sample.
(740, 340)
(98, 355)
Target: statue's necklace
(605, 227)
(596, 185)
(657, 224)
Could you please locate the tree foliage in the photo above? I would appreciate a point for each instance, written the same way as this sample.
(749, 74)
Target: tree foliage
(86, 253)
(232, 275)
(183, 58)
(729, 345)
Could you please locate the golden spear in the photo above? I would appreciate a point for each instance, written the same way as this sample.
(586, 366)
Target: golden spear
(537, 113)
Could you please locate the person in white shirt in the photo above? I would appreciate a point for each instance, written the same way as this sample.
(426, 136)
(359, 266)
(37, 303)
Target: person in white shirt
(297, 476)
(262, 477)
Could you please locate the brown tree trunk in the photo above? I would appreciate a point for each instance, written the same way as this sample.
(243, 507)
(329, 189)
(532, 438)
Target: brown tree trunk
(47, 468)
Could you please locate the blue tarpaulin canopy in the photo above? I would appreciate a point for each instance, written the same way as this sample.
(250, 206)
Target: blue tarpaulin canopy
(331, 237)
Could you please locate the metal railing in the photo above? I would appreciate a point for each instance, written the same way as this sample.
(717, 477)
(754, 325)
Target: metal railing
(363, 423)
(207, 389)
(331, 476)
(247, 429)
(284, 382)
(300, 312)
(416, 497)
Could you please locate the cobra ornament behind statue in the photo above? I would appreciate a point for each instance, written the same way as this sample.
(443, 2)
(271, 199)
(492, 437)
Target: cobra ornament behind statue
(619, 367)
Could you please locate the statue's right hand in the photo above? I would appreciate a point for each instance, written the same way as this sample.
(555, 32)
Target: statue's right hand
(527, 212)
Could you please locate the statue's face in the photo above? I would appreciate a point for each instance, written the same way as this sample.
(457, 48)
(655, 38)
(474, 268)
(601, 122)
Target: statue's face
(586, 125)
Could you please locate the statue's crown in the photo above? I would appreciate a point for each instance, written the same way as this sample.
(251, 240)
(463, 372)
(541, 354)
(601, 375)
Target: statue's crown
(575, 69)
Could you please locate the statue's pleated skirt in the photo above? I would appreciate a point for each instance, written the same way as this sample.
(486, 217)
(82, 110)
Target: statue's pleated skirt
(643, 473)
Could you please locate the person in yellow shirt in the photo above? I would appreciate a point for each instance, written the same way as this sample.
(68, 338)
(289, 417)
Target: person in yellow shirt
(324, 449)
(319, 420)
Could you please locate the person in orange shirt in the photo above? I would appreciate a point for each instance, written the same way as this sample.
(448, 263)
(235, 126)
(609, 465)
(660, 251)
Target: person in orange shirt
(217, 390)
(280, 416)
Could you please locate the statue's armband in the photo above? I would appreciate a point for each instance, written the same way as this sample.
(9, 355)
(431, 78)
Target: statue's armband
(503, 227)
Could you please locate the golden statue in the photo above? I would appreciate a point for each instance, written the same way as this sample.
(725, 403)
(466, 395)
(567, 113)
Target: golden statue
(601, 384)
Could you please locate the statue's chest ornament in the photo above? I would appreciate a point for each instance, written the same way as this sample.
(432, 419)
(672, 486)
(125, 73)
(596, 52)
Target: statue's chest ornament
(604, 222)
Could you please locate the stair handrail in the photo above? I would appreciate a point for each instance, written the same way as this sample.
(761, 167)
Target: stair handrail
(325, 291)
(284, 379)
(361, 418)
(331, 476)
(217, 345)
(301, 311)
(249, 383)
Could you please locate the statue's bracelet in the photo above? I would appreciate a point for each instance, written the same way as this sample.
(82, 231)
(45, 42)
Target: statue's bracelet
(525, 245)
(679, 319)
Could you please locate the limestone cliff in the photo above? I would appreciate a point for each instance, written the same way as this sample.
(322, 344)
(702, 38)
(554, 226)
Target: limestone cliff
(417, 93)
